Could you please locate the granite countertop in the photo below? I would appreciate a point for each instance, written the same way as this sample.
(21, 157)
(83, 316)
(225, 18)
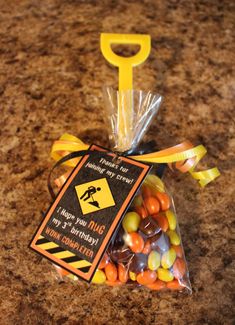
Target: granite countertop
(51, 77)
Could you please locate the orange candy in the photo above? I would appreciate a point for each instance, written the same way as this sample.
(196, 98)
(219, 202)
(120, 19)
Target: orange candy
(141, 211)
(152, 205)
(103, 262)
(147, 247)
(61, 271)
(157, 285)
(122, 273)
(174, 285)
(178, 249)
(162, 221)
(164, 200)
(146, 191)
(114, 283)
(111, 272)
(146, 277)
(179, 268)
(136, 242)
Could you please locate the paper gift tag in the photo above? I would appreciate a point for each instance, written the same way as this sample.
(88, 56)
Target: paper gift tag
(80, 223)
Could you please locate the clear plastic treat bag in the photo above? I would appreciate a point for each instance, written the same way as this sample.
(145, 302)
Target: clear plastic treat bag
(146, 249)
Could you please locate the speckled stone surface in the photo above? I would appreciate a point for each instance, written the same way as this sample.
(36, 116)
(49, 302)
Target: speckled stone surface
(51, 76)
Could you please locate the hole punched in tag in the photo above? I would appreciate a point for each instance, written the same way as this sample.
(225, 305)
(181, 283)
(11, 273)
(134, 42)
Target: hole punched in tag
(117, 158)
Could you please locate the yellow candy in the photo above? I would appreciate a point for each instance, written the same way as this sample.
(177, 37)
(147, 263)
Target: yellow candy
(154, 182)
(154, 260)
(174, 238)
(168, 258)
(132, 276)
(171, 219)
(131, 222)
(73, 277)
(164, 275)
(99, 277)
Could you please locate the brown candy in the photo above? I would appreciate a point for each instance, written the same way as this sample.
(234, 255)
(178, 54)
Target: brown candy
(160, 242)
(118, 237)
(120, 254)
(149, 227)
(138, 263)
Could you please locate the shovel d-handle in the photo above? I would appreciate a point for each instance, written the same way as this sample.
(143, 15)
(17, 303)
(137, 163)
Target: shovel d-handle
(125, 124)
(125, 64)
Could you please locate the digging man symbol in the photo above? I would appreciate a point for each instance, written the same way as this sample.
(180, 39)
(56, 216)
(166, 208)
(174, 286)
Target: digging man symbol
(94, 196)
(89, 194)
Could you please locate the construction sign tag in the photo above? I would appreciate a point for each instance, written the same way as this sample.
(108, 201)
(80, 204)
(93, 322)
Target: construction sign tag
(94, 196)
(87, 211)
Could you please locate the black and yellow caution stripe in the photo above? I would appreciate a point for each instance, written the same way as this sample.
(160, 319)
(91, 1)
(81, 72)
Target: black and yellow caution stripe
(62, 254)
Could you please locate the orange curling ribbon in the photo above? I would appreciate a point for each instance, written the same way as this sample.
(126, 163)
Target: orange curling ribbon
(184, 156)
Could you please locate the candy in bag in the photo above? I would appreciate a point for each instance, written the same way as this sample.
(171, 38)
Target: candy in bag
(146, 249)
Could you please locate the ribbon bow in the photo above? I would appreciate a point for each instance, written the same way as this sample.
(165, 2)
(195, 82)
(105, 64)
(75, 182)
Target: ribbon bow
(184, 156)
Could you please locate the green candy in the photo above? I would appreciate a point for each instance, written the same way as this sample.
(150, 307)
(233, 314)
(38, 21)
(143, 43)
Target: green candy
(137, 202)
